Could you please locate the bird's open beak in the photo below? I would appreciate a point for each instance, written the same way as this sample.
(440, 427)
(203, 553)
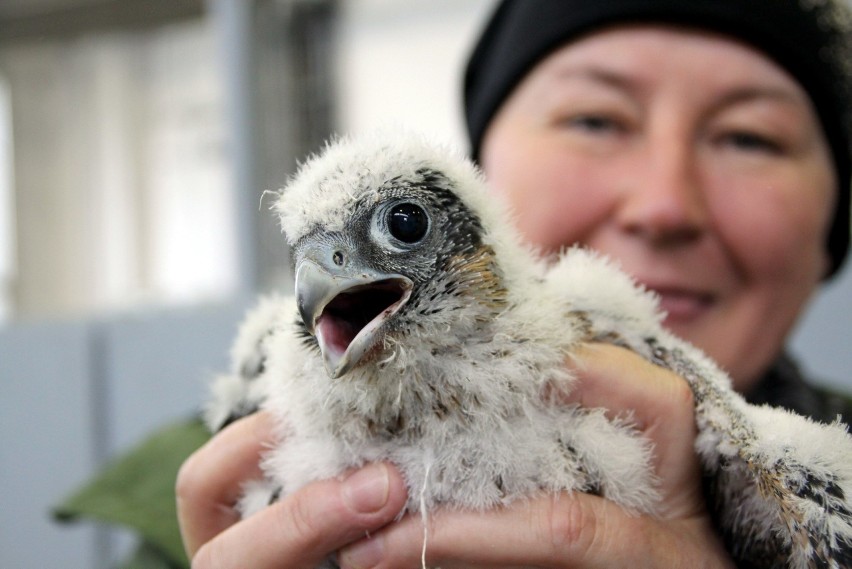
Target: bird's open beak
(346, 308)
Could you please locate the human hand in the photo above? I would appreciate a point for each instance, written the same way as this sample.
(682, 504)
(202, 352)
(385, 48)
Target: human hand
(300, 530)
(575, 529)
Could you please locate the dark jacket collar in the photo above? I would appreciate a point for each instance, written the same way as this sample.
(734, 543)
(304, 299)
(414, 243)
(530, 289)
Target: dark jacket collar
(784, 385)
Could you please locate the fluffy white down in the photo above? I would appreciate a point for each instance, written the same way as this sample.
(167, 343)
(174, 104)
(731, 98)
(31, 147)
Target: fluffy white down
(594, 282)
(517, 435)
(233, 392)
(525, 450)
(327, 184)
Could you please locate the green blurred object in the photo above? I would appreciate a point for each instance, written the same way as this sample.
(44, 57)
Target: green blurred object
(137, 491)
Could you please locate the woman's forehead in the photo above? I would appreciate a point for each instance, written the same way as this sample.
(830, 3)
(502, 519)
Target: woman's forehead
(622, 51)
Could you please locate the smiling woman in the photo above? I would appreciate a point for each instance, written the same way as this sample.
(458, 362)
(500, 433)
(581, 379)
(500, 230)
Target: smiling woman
(713, 190)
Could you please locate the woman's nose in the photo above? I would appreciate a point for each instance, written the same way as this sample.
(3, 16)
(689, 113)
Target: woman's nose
(664, 202)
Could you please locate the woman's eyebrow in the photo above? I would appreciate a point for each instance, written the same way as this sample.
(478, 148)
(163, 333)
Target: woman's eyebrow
(737, 94)
(751, 93)
(601, 76)
(598, 75)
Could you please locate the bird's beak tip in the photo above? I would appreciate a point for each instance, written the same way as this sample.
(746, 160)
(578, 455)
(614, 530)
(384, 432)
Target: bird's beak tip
(335, 366)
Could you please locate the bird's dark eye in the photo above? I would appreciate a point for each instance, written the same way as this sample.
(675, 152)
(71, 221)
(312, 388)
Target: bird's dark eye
(408, 222)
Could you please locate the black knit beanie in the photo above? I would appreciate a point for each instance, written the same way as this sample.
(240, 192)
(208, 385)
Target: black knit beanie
(809, 38)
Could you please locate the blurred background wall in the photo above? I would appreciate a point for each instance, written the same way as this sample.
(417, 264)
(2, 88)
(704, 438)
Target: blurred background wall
(137, 138)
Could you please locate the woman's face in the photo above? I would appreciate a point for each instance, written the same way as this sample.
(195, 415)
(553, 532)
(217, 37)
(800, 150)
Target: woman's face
(693, 160)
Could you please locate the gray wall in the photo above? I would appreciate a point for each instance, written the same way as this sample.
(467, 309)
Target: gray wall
(822, 339)
(72, 394)
(46, 442)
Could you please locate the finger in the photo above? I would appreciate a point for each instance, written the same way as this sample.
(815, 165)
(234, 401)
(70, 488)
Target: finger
(209, 482)
(575, 530)
(623, 381)
(304, 528)
(661, 405)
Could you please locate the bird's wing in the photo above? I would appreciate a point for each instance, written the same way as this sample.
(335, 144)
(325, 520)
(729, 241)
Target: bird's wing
(240, 392)
(781, 483)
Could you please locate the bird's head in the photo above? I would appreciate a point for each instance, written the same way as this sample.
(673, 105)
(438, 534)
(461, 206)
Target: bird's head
(387, 242)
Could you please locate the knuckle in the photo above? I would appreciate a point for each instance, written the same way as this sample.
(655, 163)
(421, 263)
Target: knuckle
(569, 525)
(298, 518)
(682, 401)
(682, 393)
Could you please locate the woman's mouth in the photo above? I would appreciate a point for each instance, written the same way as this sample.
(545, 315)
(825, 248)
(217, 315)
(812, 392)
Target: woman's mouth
(683, 306)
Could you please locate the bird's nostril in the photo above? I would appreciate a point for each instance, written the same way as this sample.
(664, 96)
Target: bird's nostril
(337, 258)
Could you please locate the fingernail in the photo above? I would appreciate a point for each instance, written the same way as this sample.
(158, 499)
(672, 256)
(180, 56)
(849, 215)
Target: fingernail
(366, 490)
(362, 555)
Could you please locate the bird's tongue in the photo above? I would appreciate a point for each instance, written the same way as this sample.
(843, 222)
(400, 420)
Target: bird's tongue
(335, 334)
(352, 311)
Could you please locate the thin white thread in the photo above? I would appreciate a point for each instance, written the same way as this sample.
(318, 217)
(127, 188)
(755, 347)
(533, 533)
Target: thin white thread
(263, 195)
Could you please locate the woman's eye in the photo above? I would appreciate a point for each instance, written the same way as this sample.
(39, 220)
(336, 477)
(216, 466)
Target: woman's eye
(407, 222)
(593, 124)
(752, 142)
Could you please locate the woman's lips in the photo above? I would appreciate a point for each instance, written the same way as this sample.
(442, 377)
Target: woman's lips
(682, 305)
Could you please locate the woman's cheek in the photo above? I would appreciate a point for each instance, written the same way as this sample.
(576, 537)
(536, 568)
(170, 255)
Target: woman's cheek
(773, 235)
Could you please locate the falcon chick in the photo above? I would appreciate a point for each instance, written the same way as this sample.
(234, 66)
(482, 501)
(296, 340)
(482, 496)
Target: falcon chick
(423, 332)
